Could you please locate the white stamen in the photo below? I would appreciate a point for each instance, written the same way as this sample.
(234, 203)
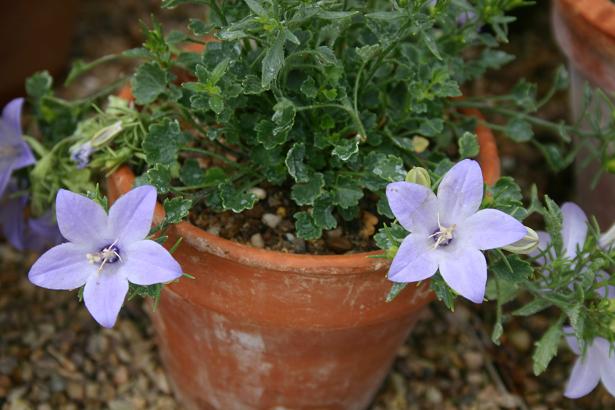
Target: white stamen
(104, 256)
(443, 235)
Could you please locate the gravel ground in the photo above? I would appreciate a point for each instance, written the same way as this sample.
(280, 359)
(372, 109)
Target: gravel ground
(54, 356)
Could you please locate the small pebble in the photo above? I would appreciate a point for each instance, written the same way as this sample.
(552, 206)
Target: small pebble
(474, 360)
(521, 340)
(271, 220)
(433, 395)
(214, 230)
(257, 240)
(259, 193)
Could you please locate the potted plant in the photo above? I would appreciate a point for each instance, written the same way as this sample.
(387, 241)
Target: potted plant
(584, 31)
(330, 125)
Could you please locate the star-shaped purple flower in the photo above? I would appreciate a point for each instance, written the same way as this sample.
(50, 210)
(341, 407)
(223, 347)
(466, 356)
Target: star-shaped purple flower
(448, 232)
(598, 364)
(105, 252)
(574, 233)
(14, 152)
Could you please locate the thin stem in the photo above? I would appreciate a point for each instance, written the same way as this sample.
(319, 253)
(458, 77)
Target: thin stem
(212, 155)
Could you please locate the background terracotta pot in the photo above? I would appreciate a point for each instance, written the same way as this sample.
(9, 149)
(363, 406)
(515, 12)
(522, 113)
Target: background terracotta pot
(37, 35)
(259, 329)
(585, 31)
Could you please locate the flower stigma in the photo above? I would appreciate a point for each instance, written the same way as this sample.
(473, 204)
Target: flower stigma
(108, 254)
(444, 235)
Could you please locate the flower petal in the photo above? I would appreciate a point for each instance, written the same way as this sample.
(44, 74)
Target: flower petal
(415, 260)
(10, 124)
(104, 295)
(583, 378)
(574, 228)
(571, 339)
(490, 229)
(607, 372)
(13, 220)
(63, 267)
(24, 156)
(147, 262)
(131, 216)
(460, 192)
(5, 176)
(81, 220)
(415, 206)
(465, 271)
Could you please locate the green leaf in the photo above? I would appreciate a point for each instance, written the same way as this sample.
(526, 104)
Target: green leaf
(395, 291)
(159, 176)
(535, 306)
(305, 193)
(294, 162)
(524, 95)
(149, 82)
(216, 103)
(431, 44)
(468, 145)
(305, 226)
(323, 213)
(171, 4)
(273, 60)
(512, 269)
(519, 130)
(431, 127)
(235, 199)
(546, 347)
(308, 88)
(191, 173)
(176, 209)
(162, 142)
(39, 85)
(256, 8)
(554, 220)
(347, 192)
(346, 148)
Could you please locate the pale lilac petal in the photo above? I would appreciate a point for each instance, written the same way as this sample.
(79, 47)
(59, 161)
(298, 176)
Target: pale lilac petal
(10, 124)
(607, 373)
(12, 218)
(5, 176)
(460, 193)
(574, 228)
(25, 157)
(609, 290)
(414, 206)
(583, 378)
(131, 216)
(63, 267)
(415, 260)
(571, 339)
(147, 262)
(490, 229)
(544, 239)
(465, 271)
(81, 220)
(104, 295)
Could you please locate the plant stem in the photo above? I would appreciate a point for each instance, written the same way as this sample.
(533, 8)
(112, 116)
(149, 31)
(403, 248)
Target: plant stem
(218, 11)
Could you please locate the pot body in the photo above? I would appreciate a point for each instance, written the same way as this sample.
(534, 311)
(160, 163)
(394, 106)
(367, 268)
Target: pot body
(39, 35)
(585, 31)
(258, 329)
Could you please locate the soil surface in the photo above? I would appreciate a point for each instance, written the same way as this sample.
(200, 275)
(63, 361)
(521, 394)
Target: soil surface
(54, 356)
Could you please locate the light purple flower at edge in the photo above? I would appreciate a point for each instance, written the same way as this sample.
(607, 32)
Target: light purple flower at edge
(448, 232)
(14, 152)
(105, 252)
(597, 365)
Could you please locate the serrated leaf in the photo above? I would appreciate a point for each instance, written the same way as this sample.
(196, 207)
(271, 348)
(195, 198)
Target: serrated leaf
(161, 143)
(346, 148)
(39, 85)
(191, 173)
(256, 8)
(305, 226)
(395, 291)
(294, 163)
(512, 269)
(323, 213)
(159, 176)
(235, 199)
(535, 306)
(216, 103)
(468, 145)
(546, 348)
(149, 82)
(347, 192)
(430, 127)
(176, 209)
(273, 60)
(307, 192)
(519, 130)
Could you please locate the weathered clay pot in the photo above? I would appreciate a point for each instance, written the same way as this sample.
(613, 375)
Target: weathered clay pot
(258, 329)
(37, 36)
(585, 31)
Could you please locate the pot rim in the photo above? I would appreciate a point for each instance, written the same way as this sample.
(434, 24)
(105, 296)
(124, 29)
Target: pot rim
(122, 181)
(598, 13)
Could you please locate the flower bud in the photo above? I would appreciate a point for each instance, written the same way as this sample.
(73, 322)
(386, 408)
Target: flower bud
(525, 245)
(419, 175)
(419, 144)
(607, 239)
(106, 134)
(391, 252)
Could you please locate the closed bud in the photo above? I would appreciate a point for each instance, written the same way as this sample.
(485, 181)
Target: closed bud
(106, 134)
(525, 245)
(418, 175)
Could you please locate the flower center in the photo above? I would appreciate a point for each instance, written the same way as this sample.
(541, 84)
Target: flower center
(108, 254)
(443, 235)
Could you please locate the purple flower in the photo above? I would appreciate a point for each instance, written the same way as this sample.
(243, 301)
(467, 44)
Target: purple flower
(598, 364)
(14, 152)
(80, 154)
(574, 233)
(448, 232)
(105, 252)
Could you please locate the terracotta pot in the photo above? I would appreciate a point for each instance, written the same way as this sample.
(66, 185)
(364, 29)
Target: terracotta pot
(259, 329)
(585, 31)
(37, 36)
